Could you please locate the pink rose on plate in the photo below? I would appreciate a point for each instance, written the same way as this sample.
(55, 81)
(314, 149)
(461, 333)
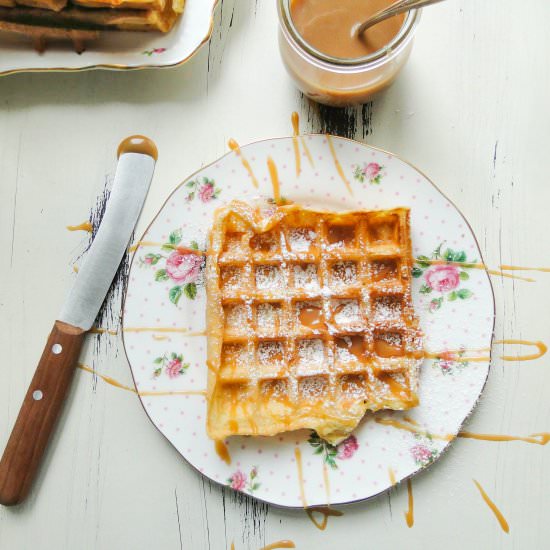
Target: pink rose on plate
(173, 368)
(443, 278)
(421, 454)
(148, 260)
(371, 170)
(159, 50)
(347, 448)
(183, 268)
(206, 192)
(238, 480)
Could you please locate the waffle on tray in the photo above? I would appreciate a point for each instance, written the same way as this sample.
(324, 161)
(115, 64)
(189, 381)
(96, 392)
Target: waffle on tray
(310, 319)
(80, 20)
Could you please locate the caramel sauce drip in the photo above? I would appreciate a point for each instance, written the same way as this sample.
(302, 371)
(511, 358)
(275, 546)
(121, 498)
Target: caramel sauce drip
(118, 384)
(311, 316)
(223, 452)
(165, 330)
(234, 146)
(391, 473)
(491, 271)
(413, 429)
(540, 438)
(135, 246)
(498, 514)
(272, 167)
(138, 144)
(409, 514)
(84, 226)
(98, 330)
(232, 546)
(505, 267)
(454, 355)
(295, 133)
(279, 544)
(325, 511)
(157, 337)
(338, 165)
(233, 426)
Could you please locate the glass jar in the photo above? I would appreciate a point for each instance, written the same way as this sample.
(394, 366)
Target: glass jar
(339, 82)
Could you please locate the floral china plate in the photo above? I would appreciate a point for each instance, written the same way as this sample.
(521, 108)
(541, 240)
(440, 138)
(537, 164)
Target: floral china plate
(164, 323)
(115, 50)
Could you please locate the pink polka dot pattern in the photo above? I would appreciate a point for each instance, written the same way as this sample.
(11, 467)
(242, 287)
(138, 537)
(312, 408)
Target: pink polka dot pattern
(445, 400)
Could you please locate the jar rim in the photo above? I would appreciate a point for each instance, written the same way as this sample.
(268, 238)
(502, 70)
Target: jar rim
(405, 31)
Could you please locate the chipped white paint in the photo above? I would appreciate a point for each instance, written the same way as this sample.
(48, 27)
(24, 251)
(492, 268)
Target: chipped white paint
(470, 110)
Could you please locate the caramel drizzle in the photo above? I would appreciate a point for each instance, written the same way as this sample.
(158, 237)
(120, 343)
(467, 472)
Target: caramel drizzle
(84, 226)
(97, 330)
(138, 144)
(279, 544)
(337, 164)
(118, 384)
(498, 514)
(325, 511)
(540, 438)
(222, 451)
(454, 354)
(409, 514)
(296, 132)
(391, 474)
(295, 118)
(135, 246)
(275, 183)
(75, 268)
(234, 146)
(499, 273)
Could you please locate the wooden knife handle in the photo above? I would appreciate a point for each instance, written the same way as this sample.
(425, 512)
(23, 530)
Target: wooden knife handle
(39, 413)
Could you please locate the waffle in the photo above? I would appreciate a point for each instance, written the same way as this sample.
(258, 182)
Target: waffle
(310, 319)
(44, 18)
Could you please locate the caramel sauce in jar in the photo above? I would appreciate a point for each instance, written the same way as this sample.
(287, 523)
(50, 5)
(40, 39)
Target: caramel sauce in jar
(331, 64)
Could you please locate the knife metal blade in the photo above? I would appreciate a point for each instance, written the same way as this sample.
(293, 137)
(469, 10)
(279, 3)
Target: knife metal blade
(132, 179)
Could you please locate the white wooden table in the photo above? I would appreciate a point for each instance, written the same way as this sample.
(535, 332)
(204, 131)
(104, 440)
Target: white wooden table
(471, 110)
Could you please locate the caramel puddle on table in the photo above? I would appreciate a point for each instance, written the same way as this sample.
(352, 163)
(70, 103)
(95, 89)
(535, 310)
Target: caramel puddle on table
(391, 474)
(409, 514)
(337, 164)
(84, 226)
(325, 511)
(498, 514)
(234, 146)
(279, 544)
(275, 183)
(121, 386)
(223, 452)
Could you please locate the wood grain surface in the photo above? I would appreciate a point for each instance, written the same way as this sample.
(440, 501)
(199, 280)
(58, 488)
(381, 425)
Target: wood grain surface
(470, 110)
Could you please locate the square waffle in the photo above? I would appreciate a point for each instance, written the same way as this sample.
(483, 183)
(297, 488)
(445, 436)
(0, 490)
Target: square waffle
(310, 319)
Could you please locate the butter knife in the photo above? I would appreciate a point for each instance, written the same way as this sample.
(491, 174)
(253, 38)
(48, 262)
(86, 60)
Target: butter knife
(47, 392)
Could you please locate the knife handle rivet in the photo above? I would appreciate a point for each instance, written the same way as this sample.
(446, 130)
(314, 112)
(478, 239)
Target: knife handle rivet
(37, 395)
(57, 349)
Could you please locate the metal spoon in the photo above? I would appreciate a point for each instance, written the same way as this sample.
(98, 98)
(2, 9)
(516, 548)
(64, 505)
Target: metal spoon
(397, 7)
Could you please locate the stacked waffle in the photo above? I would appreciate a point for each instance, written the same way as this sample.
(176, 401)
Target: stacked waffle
(310, 319)
(81, 19)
